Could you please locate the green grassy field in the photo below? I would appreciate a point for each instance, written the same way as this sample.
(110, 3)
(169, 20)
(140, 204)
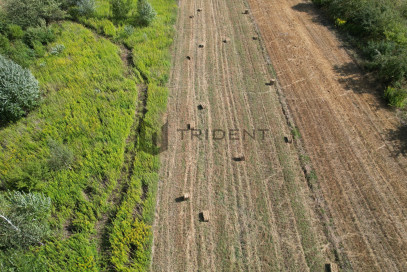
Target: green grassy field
(103, 199)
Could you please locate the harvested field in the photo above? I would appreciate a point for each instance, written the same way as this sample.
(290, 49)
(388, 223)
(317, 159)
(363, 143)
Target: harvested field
(328, 190)
(347, 131)
(261, 211)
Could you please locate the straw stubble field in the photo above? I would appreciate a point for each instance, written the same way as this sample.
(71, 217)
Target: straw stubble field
(262, 216)
(273, 211)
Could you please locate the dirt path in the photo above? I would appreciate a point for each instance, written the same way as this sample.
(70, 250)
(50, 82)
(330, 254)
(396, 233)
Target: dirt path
(262, 212)
(346, 131)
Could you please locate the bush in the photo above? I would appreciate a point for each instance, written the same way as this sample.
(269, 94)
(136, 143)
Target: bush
(57, 49)
(146, 13)
(39, 49)
(397, 97)
(109, 29)
(86, 7)
(14, 31)
(32, 12)
(19, 91)
(61, 156)
(23, 219)
(4, 44)
(42, 34)
(20, 260)
(126, 31)
(379, 30)
(121, 8)
(20, 53)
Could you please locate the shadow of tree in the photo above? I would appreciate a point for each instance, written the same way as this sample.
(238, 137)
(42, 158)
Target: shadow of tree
(399, 139)
(354, 78)
(311, 9)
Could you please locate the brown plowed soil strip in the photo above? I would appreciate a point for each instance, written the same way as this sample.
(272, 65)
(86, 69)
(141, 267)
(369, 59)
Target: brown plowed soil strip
(262, 212)
(346, 130)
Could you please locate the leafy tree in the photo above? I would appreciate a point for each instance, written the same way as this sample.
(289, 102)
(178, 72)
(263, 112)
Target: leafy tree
(23, 219)
(121, 8)
(146, 12)
(32, 12)
(19, 91)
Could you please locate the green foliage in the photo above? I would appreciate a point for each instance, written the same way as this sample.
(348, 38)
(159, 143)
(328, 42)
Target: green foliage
(23, 47)
(89, 107)
(146, 12)
(20, 260)
(33, 12)
(14, 31)
(130, 240)
(397, 97)
(76, 253)
(86, 7)
(57, 49)
(380, 31)
(109, 29)
(19, 91)
(61, 156)
(121, 8)
(23, 219)
(42, 34)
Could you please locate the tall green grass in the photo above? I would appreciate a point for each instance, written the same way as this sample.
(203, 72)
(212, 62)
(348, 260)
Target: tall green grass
(88, 107)
(72, 146)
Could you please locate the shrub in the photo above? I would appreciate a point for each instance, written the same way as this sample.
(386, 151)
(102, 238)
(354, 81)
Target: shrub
(20, 260)
(39, 49)
(4, 44)
(392, 66)
(109, 29)
(14, 31)
(379, 29)
(23, 219)
(42, 34)
(57, 49)
(146, 13)
(129, 30)
(19, 91)
(397, 97)
(20, 53)
(86, 7)
(121, 8)
(31, 12)
(61, 156)
(126, 31)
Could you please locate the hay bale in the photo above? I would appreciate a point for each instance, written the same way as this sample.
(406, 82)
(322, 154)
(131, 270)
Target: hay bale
(188, 58)
(199, 10)
(201, 45)
(206, 216)
(192, 16)
(255, 38)
(271, 83)
(246, 11)
(226, 40)
(239, 159)
(201, 107)
(288, 139)
(331, 267)
(185, 196)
